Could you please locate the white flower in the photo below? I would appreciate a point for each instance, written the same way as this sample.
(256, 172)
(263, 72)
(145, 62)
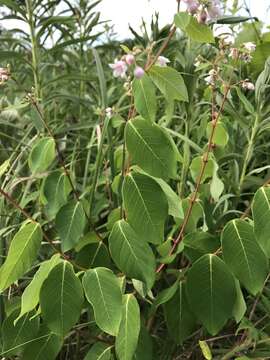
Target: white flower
(4, 75)
(162, 61)
(214, 9)
(119, 68)
(109, 112)
(211, 78)
(248, 85)
(250, 46)
(225, 33)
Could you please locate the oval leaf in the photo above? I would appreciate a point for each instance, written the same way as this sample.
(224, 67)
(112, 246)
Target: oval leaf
(244, 255)
(21, 255)
(145, 97)
(61, 299)
(146, 207)
(99, 351)
(132, 255)
(102, 290)
(42, 155)
(211, 292)
(169, 82)
(70, 222)
(151, 148)
(127, 338)
(261, 217)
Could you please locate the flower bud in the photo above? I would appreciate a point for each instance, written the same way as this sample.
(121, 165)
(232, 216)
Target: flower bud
(138, 72)
(202, 17)
(130, 59)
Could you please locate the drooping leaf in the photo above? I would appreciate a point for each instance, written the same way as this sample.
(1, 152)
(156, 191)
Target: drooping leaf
(179, 318)
(243, 255)
(164, 296)
(240, 307)
(132, 255)
(70, 222)
(61, 299)
(151, 148)
(21, 255)
(99, 351)
(144, 349)
(146, 207)
(261, 216)
(211, 292)
(16, 334)
(42, 155)
(56, 189)
(30, 296)
(169, 82)
(127, 338)
(102, 290)
(145, 97)
(45, 346)
(195, 30)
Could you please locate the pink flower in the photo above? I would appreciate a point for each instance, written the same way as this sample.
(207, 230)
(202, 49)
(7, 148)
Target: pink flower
(162, 61)
(234, 53)
(119, 68)
(192, 6)
(214, 9)
(138, 72)
(130, 59)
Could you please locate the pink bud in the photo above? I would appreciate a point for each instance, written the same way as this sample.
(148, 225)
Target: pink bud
(130, 59)
(202, 17)
(138, 72)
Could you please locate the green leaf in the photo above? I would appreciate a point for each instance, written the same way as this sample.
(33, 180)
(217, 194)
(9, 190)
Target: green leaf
(127, 338)
(261, 216)
(220, 137)
(30, 296)
(132, 255)
(216, 185)
(151, 148)
(205, 350)
(200, 243)
(174, 203)
(102, 290)
(196, 166)
(211, 292)
(243, 255)
(61, 299)
(99, 351)
(14, 335)
(195, 30)
(93, 255)
(247, 104)
(240, 307)
(169, 82)
(179, 318)
(164, 296)
(70, 223)
(146, 207)
(45, 346)
(42, 155)
(55, 189)
(144, 349)
(145, 97)
(21, 255)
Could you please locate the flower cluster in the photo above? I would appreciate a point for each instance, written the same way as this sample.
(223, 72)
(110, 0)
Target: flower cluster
(244, 53)
(204, 10)
(120, 67)
(4, 75)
